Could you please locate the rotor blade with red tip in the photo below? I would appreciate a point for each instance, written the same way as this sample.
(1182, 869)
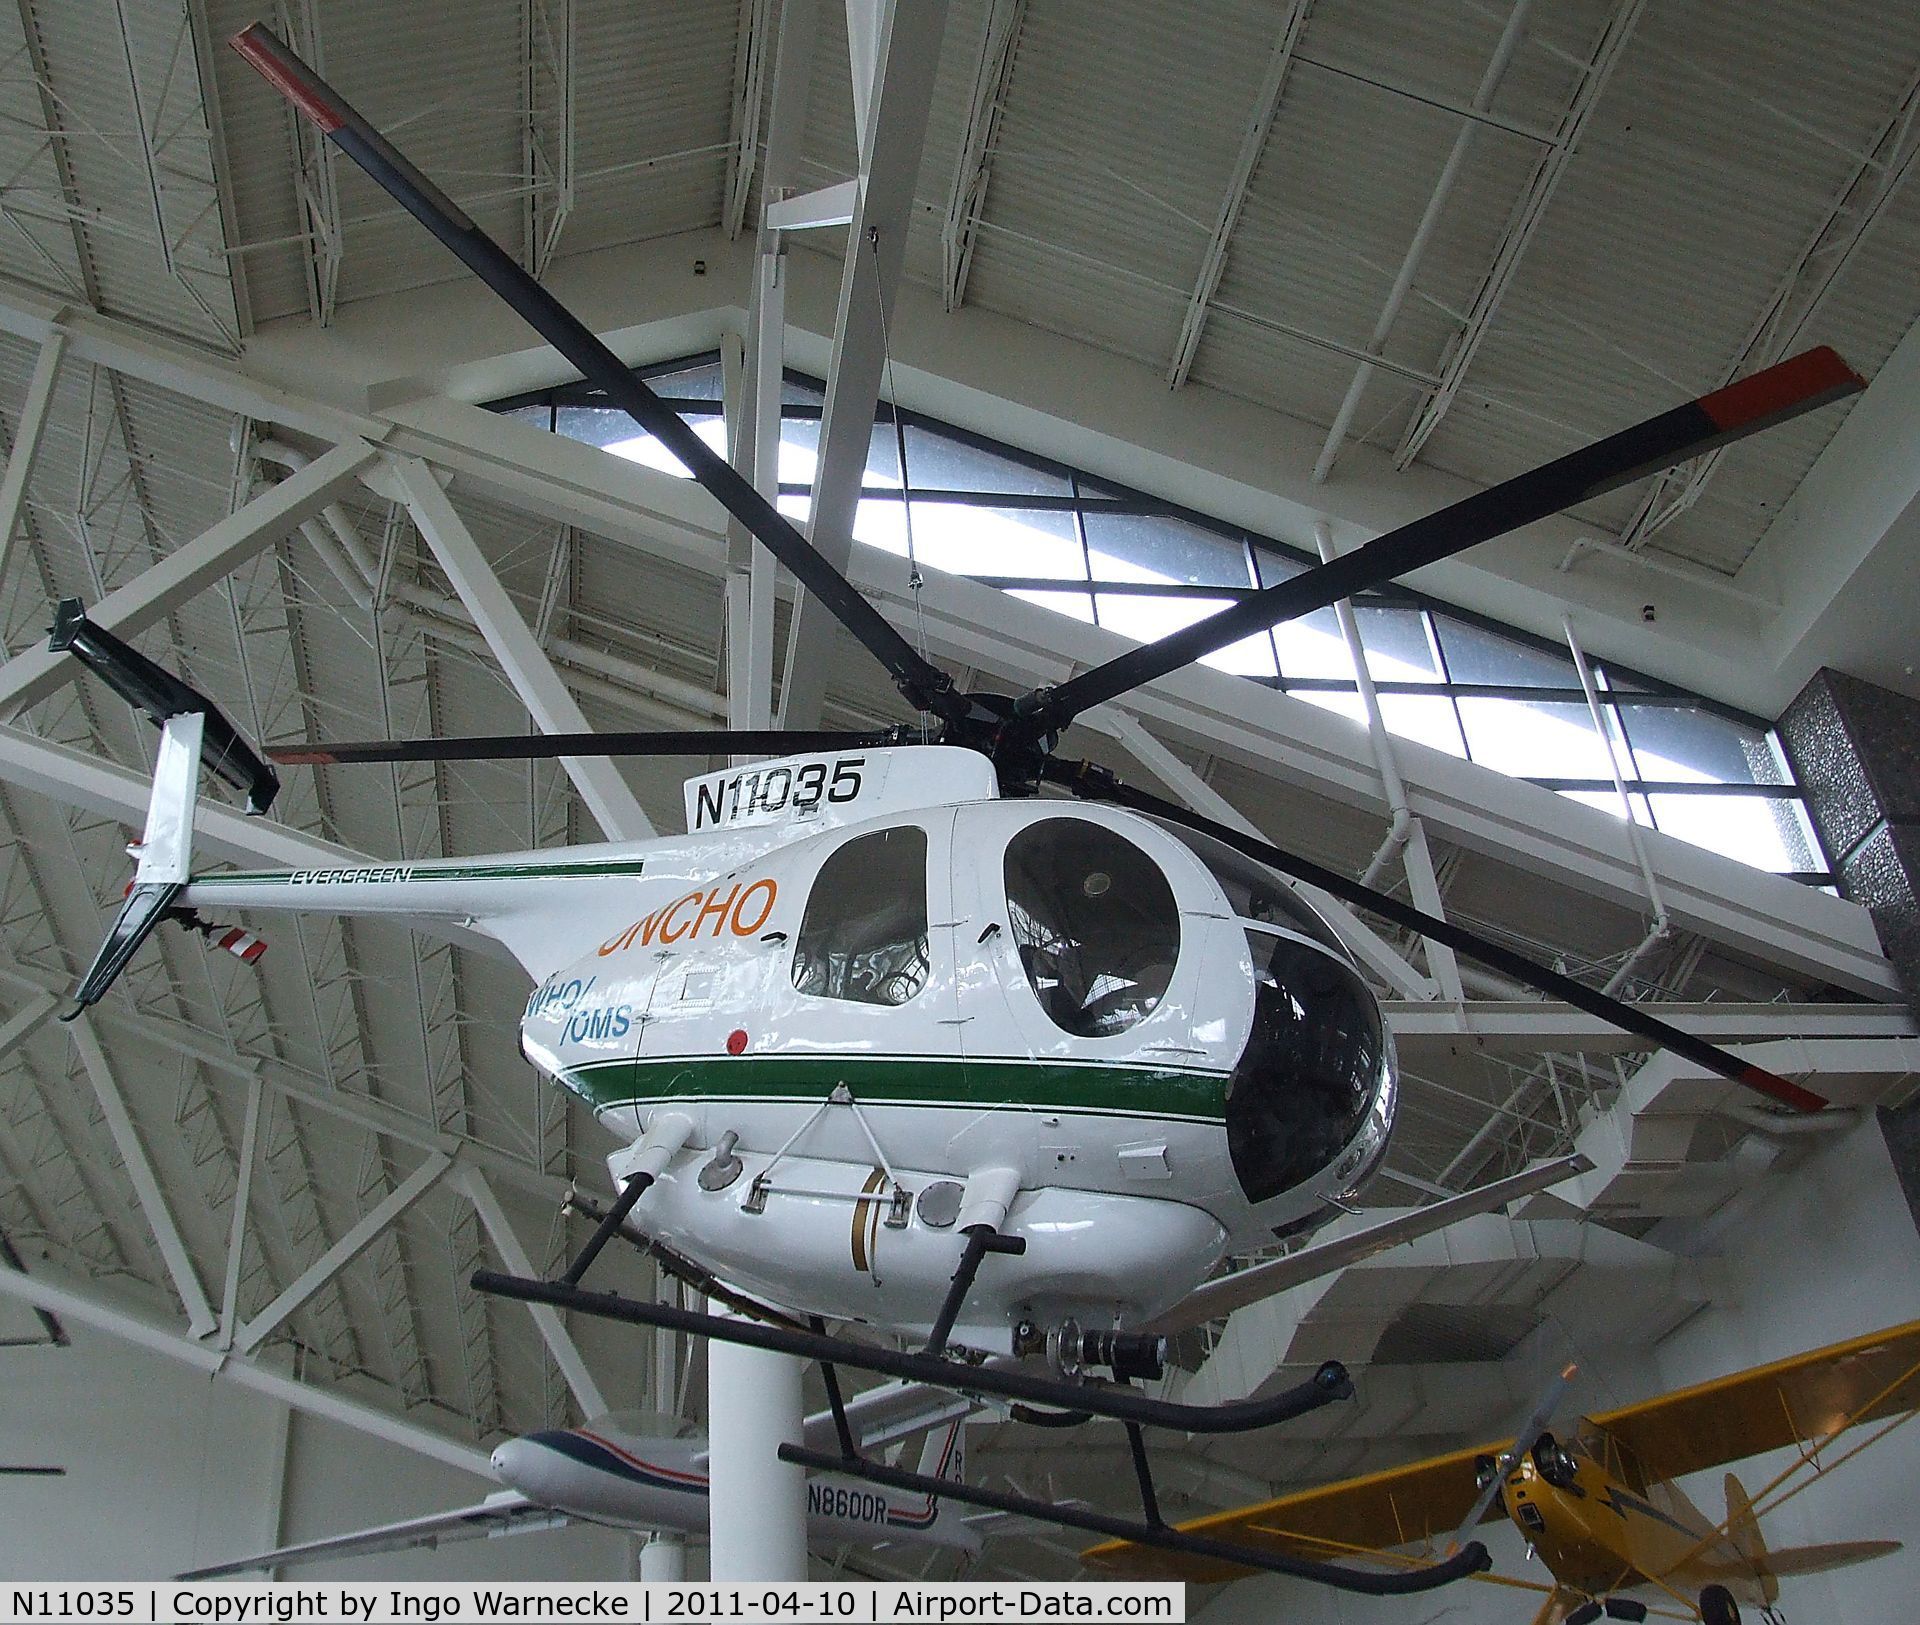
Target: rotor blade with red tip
(544, 747)
(1097, 784)
(919, 679)
(1801, 384)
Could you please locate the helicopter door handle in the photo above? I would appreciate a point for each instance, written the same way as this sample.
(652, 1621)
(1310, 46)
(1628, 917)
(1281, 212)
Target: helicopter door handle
(992, 930)
(774, 936)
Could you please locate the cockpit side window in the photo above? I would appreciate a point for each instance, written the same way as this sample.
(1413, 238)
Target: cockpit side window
(864, 935)
(1095, 923)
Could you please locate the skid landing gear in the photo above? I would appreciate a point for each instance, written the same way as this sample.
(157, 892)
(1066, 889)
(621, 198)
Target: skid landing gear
(1008, 1384)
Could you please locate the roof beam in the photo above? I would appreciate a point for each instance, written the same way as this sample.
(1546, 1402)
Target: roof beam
(565, 1353)
(967, 196)
(86, 1308)
(755, 44)
(614, 807)
(1861, 201)
(893, 120)
(30, 677)
(1527, 215)
(1214, 262)
(153, 1203)
(1422, 234)
(547, 137)
(27, 431)
(356, 1240)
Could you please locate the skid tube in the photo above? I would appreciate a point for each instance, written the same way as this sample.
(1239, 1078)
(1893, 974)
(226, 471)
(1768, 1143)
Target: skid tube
(1327, 1384)
(1125, 1405)
(1470, 1559)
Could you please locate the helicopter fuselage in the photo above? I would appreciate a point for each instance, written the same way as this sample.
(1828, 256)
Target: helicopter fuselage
(864, 994)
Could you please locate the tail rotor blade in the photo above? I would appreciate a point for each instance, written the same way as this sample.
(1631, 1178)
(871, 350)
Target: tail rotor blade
(1097, 784)
(544, 747)
(919, 679)
(1803, 383)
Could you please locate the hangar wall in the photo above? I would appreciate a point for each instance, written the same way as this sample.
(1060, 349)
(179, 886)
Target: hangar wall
(166, 1470)
(1825, 1253)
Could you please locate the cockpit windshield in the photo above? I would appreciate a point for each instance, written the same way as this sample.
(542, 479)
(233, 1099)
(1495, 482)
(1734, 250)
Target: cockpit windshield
(1317, 1062)
(1095, 923)
(1255, 892)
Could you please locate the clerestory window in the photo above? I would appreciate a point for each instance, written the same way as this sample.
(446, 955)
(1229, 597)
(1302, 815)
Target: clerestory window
(1144, 567)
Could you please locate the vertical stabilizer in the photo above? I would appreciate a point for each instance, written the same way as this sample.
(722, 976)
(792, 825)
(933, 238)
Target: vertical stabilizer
(1743, 1532)
(944, 1453)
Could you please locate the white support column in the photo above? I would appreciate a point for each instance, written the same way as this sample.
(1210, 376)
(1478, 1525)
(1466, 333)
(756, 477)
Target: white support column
(365, 1231)
(548, 135)
(1367, 945)
(83, 1308)
(565, 1354)
(153, 1204)
(30, 677)
(1408, 835)
(753, 576)
(757, 1503)
(26, 441)
(663, 1559)
(525, 663)
(906, 53)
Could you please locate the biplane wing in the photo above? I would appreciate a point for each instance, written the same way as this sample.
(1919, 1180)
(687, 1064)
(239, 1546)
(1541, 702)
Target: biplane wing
(1799, 1400)
(1423, 1500)
(1793, 1401)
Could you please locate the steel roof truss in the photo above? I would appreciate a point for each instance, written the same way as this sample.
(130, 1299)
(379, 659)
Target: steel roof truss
(1214, 261)
(1528, 212)
(553, 708)
(967, 195)
(153, 1203)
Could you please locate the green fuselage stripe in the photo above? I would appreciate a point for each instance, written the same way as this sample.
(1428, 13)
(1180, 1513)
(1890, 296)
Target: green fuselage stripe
(907, 1080)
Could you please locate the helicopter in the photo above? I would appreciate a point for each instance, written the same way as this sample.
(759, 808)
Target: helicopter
(891, 1038)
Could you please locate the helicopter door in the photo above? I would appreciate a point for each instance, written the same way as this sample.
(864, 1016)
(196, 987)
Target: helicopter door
(1071, 951)
(831, 976)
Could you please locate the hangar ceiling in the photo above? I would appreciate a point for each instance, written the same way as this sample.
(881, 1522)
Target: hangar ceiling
(1417, 240)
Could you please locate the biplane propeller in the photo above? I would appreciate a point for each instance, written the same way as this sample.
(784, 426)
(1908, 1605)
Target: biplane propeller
(746, 1041)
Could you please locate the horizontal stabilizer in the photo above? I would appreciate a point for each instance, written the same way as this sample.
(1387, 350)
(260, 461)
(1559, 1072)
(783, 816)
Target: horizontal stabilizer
(156, 691)
(1835, 1554)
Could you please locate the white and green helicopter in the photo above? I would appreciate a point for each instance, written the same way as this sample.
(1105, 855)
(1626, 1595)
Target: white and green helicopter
(889, 1037)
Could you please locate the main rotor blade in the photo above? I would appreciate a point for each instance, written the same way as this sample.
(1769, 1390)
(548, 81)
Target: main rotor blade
(543, 747)
(1802, 383)
(1098, 784)
(923, 683)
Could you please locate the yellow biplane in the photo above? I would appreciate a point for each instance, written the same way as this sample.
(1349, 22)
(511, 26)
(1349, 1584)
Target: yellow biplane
(1598, 1506)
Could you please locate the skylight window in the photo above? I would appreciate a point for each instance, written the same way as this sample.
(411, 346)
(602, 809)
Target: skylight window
(1143, 568)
